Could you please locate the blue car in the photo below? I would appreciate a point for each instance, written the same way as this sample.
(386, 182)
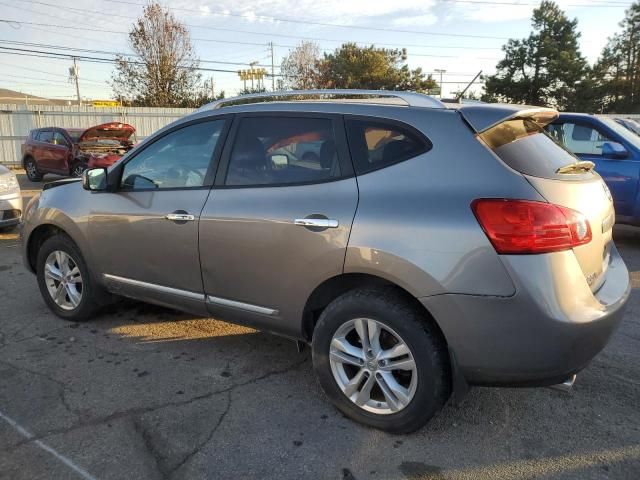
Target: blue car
(615, 152)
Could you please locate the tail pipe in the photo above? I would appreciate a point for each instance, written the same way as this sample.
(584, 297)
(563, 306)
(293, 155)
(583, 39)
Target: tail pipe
(566, 385)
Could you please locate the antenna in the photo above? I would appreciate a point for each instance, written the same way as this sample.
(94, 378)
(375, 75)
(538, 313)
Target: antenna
(461, 94)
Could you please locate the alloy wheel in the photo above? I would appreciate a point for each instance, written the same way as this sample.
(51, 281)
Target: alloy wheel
(31, 169)
(77, 170)
(63, 280)
(373, 366)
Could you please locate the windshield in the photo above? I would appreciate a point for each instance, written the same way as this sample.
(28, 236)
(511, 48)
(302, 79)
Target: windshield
(628, 135)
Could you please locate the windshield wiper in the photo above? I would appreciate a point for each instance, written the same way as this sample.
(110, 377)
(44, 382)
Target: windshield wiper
(581, 166)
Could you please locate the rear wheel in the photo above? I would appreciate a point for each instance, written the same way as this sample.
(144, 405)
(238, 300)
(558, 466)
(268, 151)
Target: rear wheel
(64, 279)
(380, 361)
(31, 169)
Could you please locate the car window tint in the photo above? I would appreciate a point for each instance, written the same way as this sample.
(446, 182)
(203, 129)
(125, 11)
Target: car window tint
(377, 144)
(45, 136)
(578, 138)
(179, 159)
(283, 150)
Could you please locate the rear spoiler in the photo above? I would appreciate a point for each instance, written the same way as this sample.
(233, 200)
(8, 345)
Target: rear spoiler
(482, 117)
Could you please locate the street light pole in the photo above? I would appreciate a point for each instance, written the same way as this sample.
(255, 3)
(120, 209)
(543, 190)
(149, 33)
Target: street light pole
(440, 71)
(273, 71)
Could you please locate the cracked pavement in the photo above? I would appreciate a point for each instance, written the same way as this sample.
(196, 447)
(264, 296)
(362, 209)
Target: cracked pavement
(148, 393)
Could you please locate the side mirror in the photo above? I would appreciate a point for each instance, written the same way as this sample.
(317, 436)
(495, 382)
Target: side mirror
(614, 150)
(94, 179)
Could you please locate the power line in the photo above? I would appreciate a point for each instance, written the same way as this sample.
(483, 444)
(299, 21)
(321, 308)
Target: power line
(316, 23)
(67, 56)
(106, 52)
(20, 22)
(278, 19)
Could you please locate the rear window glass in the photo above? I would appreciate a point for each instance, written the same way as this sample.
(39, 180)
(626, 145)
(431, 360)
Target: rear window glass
(525, 146)
(377, 144)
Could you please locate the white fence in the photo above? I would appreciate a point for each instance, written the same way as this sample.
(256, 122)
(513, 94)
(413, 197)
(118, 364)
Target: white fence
(17, 120)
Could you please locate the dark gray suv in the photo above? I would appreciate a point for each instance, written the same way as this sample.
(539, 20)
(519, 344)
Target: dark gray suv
(417, 248)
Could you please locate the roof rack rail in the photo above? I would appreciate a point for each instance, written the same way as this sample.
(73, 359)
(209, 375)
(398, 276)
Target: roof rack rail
(412, 99)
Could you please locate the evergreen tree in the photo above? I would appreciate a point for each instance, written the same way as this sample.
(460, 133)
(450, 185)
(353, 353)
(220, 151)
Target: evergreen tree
(546, 68)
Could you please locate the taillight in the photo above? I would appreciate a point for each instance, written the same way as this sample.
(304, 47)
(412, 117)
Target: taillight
(524, 226)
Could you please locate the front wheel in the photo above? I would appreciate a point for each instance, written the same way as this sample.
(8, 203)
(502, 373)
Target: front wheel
(64, 279)
(380, 361)
(77, 169)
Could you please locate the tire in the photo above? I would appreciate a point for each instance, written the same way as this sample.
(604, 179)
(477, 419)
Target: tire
(31, 168)
(399, 322)
(85, 304)
(77, 168)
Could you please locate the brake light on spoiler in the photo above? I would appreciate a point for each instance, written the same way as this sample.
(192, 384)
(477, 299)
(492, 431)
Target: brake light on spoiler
(526, 227)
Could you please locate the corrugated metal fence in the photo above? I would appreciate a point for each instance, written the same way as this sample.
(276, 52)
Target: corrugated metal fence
(17, 120)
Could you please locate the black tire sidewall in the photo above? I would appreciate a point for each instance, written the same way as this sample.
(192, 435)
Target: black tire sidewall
(432, 389)
(87, 304)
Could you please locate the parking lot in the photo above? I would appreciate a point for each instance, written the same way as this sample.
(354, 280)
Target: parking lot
(145, 392)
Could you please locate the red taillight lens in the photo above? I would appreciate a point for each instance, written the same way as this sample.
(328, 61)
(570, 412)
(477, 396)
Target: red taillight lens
(523, 226)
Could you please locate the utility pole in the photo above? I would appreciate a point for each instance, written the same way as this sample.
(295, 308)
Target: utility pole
(273, 71)
(440, 71)
(74, 74)
(213, 90)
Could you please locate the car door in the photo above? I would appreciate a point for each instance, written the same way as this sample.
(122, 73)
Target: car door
(585, 140)
(60, 152)
(277, 222)
(145, 235)
(43, 151)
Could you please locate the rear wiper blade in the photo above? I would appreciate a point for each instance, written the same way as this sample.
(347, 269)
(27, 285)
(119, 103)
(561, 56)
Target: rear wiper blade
(581, 166)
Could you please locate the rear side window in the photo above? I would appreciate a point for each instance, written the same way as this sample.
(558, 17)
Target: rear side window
(283, 150)
(378, 144)
(526, 147)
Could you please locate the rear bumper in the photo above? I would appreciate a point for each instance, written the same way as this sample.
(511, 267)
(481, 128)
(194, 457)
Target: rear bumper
(10, 209)
(551, 328)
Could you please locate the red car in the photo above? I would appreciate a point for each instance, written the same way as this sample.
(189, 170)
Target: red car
(70, 151)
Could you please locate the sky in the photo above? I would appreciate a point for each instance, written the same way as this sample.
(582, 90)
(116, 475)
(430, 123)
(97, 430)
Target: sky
(459, 36)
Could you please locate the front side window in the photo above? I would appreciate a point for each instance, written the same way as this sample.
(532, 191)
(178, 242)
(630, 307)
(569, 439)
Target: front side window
(180, 159)
(283, 150)
(59, 139)
(45, 136)
(377, 144)
(578, 138)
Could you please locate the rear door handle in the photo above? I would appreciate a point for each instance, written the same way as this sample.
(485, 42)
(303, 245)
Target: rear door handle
(180, 217)
(316, 222)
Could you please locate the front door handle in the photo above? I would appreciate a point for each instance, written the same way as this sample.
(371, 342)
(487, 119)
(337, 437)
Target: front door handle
(316, 222)
(180, 217)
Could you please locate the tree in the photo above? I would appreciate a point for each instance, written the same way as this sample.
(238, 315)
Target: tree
(300, 67)
(618, 68)
(351, 66)
(546, 68)
(164, 69)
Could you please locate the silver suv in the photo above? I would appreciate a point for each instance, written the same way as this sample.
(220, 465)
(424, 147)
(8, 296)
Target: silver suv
(417, 248)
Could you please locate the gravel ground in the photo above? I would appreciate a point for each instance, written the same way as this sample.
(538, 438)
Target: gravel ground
(144, 392)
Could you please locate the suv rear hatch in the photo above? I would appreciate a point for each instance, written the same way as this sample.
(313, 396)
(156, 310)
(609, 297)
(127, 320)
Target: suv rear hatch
(516, 135)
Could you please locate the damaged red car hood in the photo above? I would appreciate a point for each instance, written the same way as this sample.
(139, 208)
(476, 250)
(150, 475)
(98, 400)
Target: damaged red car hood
(112, 131)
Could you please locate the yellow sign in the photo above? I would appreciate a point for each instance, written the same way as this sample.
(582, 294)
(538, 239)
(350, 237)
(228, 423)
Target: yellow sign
(105, 103)
(255, 74)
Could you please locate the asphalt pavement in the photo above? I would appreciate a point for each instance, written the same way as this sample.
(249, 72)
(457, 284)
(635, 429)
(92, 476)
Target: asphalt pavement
(148, 393)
